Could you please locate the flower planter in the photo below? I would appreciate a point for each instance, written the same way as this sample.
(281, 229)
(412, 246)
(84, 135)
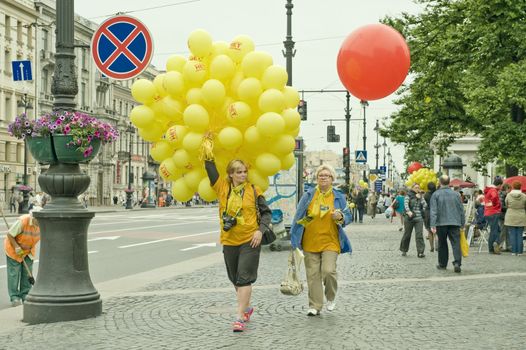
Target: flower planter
(42, 149)
(69, 154)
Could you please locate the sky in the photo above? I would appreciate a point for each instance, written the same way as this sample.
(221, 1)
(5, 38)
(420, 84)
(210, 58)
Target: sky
(318, 28)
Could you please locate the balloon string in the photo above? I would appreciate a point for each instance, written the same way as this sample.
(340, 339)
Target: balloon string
(206, 148)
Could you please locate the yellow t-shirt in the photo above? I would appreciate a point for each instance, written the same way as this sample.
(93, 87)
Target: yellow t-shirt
(240, 233)
(322, 233)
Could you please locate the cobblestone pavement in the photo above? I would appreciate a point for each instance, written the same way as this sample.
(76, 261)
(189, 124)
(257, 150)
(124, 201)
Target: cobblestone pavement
(385, 301)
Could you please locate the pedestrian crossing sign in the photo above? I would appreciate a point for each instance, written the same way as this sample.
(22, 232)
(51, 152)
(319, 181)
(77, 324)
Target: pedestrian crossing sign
(361, 156)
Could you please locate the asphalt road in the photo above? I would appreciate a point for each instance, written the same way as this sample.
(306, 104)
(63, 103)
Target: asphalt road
(126, 243)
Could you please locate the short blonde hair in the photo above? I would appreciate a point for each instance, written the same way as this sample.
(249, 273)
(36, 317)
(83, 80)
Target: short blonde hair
(233, 166)
(327, 167)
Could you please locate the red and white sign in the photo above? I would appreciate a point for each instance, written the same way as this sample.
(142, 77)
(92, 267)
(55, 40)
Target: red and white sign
(122, 47)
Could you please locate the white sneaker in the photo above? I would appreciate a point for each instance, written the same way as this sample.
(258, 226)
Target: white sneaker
(313, 312)
(331, 305)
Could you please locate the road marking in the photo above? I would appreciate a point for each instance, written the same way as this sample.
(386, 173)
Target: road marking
(196, 246)
(167, 239)
(111, 238)
(140, 228)
(36, 261)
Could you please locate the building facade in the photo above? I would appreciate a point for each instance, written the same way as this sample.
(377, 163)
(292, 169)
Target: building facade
(27, 32)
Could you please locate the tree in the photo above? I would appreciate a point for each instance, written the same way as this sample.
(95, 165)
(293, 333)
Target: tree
(468, 75)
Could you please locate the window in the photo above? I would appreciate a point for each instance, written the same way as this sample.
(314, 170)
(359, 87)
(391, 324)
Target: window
(44, 81)
(30, 36)
(7, 26)
(84, 59)
(8, 109)
(19, 31)
(120, 108)
(45, 42)
(83, 96)
(7, 62)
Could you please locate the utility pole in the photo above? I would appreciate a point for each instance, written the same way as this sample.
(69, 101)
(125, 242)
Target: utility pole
(364, 105)
(377, 145)
(347, 137)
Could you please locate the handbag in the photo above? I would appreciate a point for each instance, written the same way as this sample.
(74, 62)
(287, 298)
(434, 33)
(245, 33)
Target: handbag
(268, 234)
(464, 247)
(291, 284)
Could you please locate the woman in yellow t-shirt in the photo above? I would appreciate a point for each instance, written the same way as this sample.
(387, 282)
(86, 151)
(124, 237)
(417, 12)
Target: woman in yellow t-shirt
(317, 228)
(241, 231)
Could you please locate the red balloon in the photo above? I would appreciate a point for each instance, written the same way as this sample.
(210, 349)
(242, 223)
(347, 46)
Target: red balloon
(414, 167)
(373, 61)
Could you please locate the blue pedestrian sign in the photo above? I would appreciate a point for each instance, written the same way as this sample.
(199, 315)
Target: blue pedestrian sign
(22, 70)
(378, 186)
(360, 156)
(383, 171)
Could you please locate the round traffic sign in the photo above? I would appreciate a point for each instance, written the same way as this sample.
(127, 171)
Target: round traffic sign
(122, 47)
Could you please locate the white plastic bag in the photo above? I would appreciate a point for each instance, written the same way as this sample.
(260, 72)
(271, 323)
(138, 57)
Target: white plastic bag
(388, 212)
(291, 284)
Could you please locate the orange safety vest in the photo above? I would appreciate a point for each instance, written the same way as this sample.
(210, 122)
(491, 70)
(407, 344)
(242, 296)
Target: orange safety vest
(29, 236)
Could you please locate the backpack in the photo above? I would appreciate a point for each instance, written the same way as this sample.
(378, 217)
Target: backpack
(395, 204)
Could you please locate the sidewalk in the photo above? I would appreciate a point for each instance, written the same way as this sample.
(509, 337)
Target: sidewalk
(385, 301)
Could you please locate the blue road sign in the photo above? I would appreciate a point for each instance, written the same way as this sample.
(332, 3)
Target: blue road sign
(22, 70)
(378, 186)
(360, 156)
(383, 171)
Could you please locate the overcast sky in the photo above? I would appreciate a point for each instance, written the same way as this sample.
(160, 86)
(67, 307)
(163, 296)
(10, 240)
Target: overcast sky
(318, 28)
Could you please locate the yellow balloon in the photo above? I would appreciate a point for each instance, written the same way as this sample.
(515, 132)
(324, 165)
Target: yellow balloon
(158, 82)
(366, 185)
(206, 191)
(239, 113)
(175, 63)
(222, 68)
(142, 116)
(219, 48)
(256, 178)
(193, 178)
(283, 144)
(173, 109)
(194, 72)
(200, 43)
(194, 96)
(239, 47)
(143, 91)
(271, 100)
(213, 92)
(292, 97)
(180, 191)
(196, 118)
(168, 170)
(234, 83)
(352, 205)
(294, 133)
(153, 133)
(192, 141)
(230, 138)
(161, 150)
(270, 124)
(274, 77)
(181, 158)
(174, 83)
(292, 119)
(175, 134)
(252, 139)
(287, 161)
(268, 164)
(255, 63)
(249, 90)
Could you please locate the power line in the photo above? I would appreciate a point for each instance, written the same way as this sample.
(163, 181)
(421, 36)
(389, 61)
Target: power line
(147, 9)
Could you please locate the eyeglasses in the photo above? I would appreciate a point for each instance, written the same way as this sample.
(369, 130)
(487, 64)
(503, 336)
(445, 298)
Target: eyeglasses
(324, 176)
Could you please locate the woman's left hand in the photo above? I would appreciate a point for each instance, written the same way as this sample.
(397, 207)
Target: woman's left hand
(256, 239)
(337, 215)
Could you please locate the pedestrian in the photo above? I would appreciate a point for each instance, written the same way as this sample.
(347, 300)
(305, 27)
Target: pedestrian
(399, 209)
(360, 204)
(431, 188)
(504, 237)
(492, 213)
(515, 219)
(317, 229)
(373, 203)
(12, 203)
(446, 218)
(414, 206)
(115, 199)
(19, 246)
(241, 231)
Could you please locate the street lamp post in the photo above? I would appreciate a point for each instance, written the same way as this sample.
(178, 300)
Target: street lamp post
(364, 106)
(130, 130)
(24, 208)
(377, 145)
(384, 146)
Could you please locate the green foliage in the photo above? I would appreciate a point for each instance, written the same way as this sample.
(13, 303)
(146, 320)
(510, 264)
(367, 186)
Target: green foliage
(468, 76)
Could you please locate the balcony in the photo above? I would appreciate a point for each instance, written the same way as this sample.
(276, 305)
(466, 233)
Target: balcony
(47, 57)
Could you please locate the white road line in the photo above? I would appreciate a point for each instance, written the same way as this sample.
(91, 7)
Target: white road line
(140, 228)
(167, 239)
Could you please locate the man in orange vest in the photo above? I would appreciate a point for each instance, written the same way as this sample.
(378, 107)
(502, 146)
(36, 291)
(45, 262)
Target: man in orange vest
(19, 246)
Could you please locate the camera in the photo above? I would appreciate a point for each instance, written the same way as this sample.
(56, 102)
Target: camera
(228, 221)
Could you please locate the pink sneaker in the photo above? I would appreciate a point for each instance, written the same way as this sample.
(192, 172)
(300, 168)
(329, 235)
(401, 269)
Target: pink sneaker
(238, 326)
(246, 315)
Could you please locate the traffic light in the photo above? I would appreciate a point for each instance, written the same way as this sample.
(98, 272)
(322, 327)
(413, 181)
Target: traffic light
(302, 109)
(346, 157)
(331, 134)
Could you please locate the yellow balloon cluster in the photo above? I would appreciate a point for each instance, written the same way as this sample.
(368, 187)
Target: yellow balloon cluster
(229, 92)
(363, 184)
(422, 177)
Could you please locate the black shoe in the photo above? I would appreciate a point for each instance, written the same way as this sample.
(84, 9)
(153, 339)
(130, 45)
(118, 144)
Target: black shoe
(457, 269)
(432, 250)
(441, 267)
(421, 255)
